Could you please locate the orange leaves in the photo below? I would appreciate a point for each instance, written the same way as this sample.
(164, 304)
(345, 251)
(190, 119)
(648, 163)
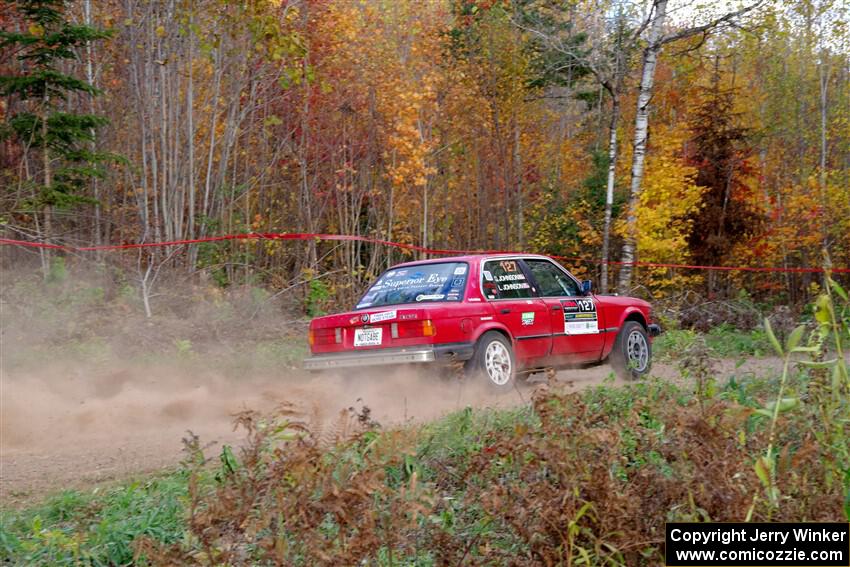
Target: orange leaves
(409, 143)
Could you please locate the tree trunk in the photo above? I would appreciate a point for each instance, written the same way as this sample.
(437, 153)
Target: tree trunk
(609, 192)
(390, 218)
(47, 210)
(190, 140)
(90, 78)
(823, 82)
(306, 204)
(520, 212)
(650, 59)
(424, 254)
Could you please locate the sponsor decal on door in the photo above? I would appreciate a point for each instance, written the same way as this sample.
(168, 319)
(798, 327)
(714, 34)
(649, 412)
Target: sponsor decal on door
(580, 317)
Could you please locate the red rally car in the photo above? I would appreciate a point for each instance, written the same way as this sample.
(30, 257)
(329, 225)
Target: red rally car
(499, 315)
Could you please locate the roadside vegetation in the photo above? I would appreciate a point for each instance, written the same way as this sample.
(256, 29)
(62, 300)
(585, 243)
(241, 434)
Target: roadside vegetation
(93, 314)
(572, 478)
(445, 125)
(73, 315)
(722, 341)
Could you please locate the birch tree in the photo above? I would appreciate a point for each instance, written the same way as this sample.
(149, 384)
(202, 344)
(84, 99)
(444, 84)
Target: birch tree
(604, 50)
(657, 37)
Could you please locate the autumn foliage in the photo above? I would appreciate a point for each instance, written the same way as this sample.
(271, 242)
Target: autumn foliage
(576, 478)
(446, 123)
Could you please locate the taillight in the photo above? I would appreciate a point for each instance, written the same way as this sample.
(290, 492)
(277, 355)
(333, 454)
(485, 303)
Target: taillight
(428, 329)
(325, 336)
(412, 329)
(311, 337)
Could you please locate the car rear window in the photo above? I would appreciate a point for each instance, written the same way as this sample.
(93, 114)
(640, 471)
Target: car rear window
(444, 281)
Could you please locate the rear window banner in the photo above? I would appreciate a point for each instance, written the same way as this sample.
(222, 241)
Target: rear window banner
(580, 317)
(440, 281)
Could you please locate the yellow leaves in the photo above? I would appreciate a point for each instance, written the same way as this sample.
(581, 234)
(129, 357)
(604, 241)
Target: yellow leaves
(575, 163)
(160, 31)
(376, 59)
(669, 197)
(36, 30)
(272, 120)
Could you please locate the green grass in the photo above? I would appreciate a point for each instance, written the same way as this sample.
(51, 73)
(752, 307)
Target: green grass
(99, 527)
(95, 528)
(724, 341)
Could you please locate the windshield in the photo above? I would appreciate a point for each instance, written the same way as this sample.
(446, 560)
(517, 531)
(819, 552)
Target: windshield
(416, 284)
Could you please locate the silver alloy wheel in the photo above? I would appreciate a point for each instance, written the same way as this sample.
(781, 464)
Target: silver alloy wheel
(497, 363)
(638, 351)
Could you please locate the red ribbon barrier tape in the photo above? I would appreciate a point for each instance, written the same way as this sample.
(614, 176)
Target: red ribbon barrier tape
(413, 247)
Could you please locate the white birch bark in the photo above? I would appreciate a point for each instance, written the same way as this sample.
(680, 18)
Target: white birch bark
(609, 190)
(650, 60)
(656, 39)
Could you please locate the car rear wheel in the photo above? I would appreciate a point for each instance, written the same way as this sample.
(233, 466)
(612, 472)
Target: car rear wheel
(631, 356)
(494, 360)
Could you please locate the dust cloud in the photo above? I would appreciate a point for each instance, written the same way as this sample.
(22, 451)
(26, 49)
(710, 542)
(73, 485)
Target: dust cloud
(69, 423)
(91, 391)
(66, 404)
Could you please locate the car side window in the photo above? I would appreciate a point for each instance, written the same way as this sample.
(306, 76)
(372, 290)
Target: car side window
(504, 279)
(551, 280)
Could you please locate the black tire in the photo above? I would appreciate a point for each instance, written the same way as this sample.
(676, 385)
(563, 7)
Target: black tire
(631, 356)
(500, 372)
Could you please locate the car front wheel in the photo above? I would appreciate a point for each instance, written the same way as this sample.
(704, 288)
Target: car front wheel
(631, 356)
(494, 359)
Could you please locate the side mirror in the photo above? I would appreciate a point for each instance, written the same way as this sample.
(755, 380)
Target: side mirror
(586, 287)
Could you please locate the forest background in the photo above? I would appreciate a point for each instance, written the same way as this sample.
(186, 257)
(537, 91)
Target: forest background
(488, 124)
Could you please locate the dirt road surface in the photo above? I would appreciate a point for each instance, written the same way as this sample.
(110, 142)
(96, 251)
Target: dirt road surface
(69, 426)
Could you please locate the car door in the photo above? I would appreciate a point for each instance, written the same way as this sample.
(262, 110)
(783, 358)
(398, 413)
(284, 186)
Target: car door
(505, 283)
(574, 318)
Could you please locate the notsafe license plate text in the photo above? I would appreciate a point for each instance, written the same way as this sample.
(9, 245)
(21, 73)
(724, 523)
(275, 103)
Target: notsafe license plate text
(367, 337)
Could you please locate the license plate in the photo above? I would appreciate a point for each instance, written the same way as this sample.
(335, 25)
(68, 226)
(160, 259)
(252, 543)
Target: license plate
(367, 337)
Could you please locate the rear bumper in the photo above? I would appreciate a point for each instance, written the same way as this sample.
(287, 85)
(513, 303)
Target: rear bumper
(654, 330)
(387, 356)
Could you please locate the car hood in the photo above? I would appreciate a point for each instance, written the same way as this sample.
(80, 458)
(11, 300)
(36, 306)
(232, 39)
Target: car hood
(623, 300)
